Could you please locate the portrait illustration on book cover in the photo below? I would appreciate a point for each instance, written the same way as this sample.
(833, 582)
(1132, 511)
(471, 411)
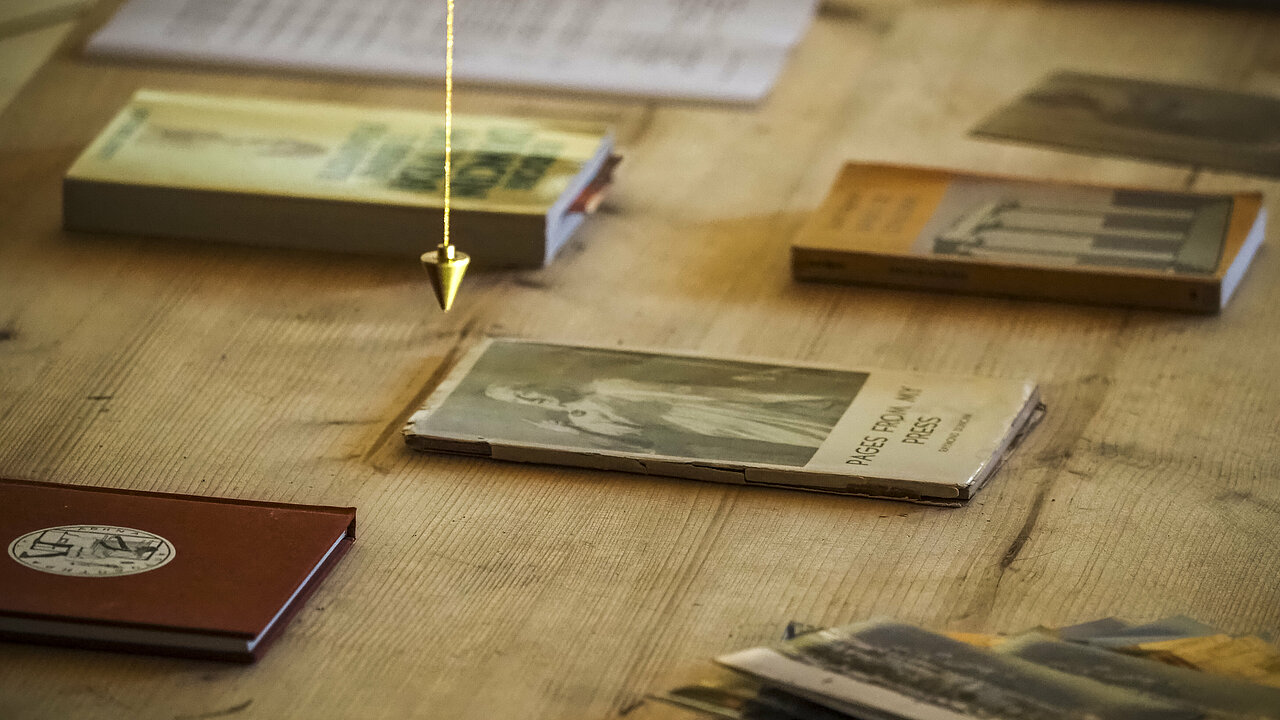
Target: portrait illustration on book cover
(850, 431)
(651, 404)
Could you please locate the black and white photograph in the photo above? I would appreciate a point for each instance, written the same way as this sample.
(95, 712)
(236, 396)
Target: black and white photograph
(1048, 225)
(1215, 695)
(913, 673)
(733, 696)
(642, 403)
(1182, 124)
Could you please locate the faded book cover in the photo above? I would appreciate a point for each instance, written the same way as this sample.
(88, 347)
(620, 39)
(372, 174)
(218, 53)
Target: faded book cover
(336, 177)
(882, 433)
(941, 230)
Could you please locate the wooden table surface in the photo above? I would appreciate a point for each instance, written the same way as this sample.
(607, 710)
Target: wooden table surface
(485, 590)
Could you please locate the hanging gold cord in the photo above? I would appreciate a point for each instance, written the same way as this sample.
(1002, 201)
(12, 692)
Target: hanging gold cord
(448, 116)
(446, 265)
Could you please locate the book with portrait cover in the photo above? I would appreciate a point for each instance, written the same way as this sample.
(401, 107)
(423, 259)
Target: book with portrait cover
(940, 230)
(337, 177)
(159, 573)
(881, 433)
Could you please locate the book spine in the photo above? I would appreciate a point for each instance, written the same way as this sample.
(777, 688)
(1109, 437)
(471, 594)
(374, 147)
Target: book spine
(497, 239)
(133, 648)
(1188, 294)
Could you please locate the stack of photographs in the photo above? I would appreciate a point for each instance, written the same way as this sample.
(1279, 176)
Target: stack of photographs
(886, 670)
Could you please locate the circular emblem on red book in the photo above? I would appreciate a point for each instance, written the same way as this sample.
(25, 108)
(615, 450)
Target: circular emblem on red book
(91, 550)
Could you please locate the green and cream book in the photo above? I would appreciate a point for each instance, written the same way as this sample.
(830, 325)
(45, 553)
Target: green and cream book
(337, 177)
(884, 433)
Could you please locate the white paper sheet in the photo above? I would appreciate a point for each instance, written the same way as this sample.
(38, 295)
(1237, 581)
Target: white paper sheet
(705, 49)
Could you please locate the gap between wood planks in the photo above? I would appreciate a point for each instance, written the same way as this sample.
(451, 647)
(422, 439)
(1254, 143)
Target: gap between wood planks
(437, 374)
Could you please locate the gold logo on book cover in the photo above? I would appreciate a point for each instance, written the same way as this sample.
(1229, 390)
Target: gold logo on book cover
(91, 550)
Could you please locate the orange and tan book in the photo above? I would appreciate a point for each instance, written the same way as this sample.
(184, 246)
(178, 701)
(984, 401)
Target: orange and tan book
(984, 234)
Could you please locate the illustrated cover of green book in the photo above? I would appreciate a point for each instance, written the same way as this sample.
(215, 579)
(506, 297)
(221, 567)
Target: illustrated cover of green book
(337, 177)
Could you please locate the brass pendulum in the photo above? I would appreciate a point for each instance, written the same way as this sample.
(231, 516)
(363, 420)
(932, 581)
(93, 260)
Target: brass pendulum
(446, 266)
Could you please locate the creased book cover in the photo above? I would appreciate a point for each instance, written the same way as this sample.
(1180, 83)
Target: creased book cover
(984, 234)
(336, 177)
(895, 434)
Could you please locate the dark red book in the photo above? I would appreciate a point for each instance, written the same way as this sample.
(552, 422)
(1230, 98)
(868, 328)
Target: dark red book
(157, 572)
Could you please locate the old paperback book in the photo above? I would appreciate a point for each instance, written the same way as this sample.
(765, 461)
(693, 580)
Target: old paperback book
(337, 177)
(881, 433)
(940, 230)
(159, 573)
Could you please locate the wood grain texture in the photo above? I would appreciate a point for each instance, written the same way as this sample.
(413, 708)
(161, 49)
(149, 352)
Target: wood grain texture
(486, 590)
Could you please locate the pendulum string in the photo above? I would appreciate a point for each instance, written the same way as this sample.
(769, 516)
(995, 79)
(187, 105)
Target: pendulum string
(446, 265)
(448, 117)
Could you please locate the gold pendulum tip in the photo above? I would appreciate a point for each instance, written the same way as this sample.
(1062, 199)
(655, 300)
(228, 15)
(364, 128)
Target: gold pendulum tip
(445, 268)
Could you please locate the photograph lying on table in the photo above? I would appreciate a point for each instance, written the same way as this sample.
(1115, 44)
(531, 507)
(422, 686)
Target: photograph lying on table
(882, 433)
(1122, 116)
(887, 669)
(1217, 697)
(722, 693)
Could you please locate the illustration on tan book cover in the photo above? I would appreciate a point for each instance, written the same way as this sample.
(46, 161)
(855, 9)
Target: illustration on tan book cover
(941, 230)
